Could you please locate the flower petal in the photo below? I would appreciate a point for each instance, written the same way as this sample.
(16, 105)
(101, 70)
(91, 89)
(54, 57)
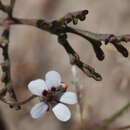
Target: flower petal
(36, 87)
(62, 112)
(53, 79)
(39, 110)
(69, 98)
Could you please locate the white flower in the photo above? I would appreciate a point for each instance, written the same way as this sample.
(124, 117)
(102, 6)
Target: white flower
(53, 94)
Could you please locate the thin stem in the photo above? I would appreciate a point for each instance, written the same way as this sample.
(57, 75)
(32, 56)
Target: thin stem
(6, 75)
(79, 104)
(18, 103)
(114, 116)
(77, 89)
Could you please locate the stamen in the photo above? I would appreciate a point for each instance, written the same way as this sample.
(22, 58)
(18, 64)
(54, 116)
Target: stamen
(53, 88)
(44, 93)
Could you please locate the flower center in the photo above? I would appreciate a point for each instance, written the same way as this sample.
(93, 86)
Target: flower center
(49, 95)
(52, 96)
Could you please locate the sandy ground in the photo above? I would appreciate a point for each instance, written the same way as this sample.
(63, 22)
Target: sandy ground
(34, 52)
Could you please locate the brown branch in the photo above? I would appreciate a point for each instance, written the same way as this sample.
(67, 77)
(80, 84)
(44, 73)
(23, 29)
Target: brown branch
(68, 18)
(59, 27)
(47, 25)
(96, 40)
(6, 76)
(100, 36)
(62, 22)
(75, 59)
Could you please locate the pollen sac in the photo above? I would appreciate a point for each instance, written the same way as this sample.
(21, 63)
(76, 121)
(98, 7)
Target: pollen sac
(53, 88)
(44, 93)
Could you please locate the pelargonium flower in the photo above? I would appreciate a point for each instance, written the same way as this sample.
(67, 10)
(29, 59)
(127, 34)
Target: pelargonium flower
(53, 95)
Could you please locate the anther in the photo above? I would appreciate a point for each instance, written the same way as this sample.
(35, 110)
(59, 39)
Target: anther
(53, 88)
(44, 93)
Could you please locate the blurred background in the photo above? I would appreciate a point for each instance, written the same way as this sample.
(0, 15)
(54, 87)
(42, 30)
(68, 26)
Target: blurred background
(34, 52)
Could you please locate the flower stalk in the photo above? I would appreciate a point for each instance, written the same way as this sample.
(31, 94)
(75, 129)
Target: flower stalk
(78, 92)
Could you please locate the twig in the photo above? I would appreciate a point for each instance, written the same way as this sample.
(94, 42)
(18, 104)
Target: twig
(114, 117)
(75, 59)
(60, 26)
(60, 29)
(96, 40)
(16, 104)
(56, 27)
(6, 76)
